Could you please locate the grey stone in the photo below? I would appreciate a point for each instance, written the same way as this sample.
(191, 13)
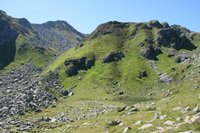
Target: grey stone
(145, 126)
(127, 129)
(169, 123)
(114, 123)
(150, 52)
(195, 118)
(113, 57)
(165, 78)
(196, 109)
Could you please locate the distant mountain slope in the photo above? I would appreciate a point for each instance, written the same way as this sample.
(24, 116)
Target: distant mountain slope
(10, 28)
(58, 34)
(21, 41)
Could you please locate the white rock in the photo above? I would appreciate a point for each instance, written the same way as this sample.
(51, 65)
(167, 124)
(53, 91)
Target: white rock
(161, 129)
(178, 109)
(170, 123)
(187, 109)
(121, 124)
(86, 124)
(145, 126)
(165, 78)
(195, 118)
(126, 129)
(187, 119)
(196, 108)
(53, 120)
(138, 123)
(130, 113)
(178, 119)
(162, 117)
(15, 80)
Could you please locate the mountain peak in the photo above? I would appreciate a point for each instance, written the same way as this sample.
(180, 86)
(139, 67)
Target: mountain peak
(108, 28)
(2, 12)
(56, 24)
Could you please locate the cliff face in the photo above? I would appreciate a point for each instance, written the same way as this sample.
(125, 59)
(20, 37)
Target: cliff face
(7, 40)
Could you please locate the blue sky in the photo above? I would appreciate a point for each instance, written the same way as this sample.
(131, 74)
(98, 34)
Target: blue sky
(85, 15)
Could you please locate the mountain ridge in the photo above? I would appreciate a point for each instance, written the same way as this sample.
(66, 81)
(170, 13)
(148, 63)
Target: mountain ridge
(50, 36)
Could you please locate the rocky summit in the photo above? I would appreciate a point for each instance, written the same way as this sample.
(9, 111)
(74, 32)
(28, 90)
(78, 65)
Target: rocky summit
(58, 34)
(123, 77)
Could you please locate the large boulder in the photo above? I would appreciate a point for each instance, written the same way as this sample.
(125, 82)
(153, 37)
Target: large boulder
(165, 25)
(169, 37)
(164, 78)
(74, 65)
(150, 52)
(89, 63)
(79, 63)
(181, 30)
(183, 57)
(113, 57)
(155, 23)
(72, 70)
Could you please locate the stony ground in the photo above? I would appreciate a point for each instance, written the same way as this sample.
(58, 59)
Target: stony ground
(21, 91)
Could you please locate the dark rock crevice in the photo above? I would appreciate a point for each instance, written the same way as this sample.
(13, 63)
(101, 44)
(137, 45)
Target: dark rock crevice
(74, 65)
(169, 37)
(150, 52)
(7, 43)
(113, 57)
(7, 53)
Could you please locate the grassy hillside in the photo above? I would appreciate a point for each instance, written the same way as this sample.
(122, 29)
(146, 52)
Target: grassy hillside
(115, 77)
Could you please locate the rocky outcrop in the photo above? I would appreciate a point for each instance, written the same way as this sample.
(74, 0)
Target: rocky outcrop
(155, 23)
(182, 57)
(164, 78)
(112, 27)
(66, 93)
(181, 30)
(113, 57)
(150, 52)
(169, 37)
(74, 65)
